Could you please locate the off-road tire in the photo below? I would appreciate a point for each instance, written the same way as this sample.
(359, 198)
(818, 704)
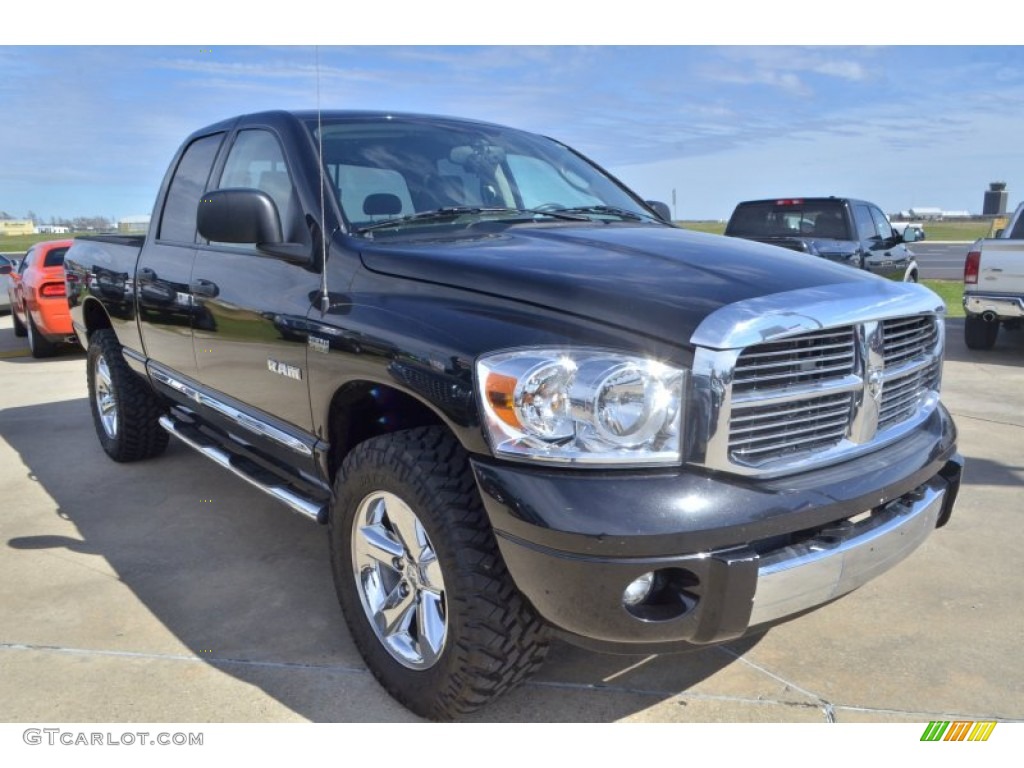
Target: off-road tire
(136, 433)
(39, 345)
(494, 639)
(980, 334)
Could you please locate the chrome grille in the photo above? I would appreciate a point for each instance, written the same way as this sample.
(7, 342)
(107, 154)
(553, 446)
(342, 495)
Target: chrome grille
(760, 433)
(806, 378)
(908, 338)
(800, 360)
(902, 394)
(790, 403)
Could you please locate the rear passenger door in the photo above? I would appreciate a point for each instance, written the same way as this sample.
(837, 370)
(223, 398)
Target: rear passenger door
(164, 271)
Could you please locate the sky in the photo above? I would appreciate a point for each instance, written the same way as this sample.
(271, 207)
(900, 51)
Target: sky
(89, 130)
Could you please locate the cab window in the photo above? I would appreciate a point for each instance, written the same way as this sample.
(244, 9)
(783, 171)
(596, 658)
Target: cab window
(256, 161)
(882, 225)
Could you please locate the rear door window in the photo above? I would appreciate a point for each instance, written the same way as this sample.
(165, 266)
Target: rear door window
(178, 223)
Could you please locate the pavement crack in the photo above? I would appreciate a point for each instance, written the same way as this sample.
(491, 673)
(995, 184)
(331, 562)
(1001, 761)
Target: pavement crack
(986, 421)
(773, 676)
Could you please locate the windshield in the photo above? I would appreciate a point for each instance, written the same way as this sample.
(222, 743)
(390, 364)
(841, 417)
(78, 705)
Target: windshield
(789, 218)
(391, 169)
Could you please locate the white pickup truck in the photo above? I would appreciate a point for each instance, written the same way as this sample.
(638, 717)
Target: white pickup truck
(994, 284)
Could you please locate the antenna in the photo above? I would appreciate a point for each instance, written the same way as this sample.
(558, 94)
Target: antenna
(325, 299)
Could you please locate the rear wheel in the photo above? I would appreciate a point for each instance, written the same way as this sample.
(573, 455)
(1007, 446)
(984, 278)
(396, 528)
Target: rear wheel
(979, 333)
(39, 344)
(427, 596)
(19, 327)
(125, 411)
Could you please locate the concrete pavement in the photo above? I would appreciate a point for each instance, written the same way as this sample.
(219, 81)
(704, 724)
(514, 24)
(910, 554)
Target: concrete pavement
(170, 591)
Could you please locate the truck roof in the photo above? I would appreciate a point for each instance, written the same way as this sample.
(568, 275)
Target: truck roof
(299, 116)
(796, 200)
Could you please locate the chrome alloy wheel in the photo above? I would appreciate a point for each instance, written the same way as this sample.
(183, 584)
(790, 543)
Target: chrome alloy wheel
(399, 580)
(106, 402)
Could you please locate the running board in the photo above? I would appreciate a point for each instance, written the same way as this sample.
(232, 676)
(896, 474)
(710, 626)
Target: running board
(246, 469)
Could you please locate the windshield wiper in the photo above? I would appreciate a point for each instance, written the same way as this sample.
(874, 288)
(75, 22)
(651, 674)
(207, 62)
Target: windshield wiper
(610, 210)
(453, 212)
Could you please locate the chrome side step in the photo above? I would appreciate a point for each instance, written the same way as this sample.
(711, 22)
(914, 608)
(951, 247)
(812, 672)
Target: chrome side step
(245, 469)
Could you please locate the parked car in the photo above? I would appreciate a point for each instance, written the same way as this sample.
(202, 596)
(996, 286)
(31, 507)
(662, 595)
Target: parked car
(6, 281)
(38, 298)
(840, 229)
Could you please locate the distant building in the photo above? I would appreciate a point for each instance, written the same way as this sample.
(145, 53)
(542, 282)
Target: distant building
(933, 214)
(133, 224)
(17, 227)
(52, 229)
(995, 199)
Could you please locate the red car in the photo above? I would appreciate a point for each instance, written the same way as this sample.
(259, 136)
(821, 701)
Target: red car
(38, 298)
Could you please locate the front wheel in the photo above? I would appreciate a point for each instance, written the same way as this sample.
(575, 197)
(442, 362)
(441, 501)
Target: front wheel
(427, 597)
(125, 411)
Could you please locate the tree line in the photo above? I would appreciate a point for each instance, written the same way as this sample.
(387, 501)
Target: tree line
(77, 223)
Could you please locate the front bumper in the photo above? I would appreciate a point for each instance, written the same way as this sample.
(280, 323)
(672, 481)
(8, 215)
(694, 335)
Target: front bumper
(731, 554)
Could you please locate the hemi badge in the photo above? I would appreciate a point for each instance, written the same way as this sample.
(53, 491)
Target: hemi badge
(318, 344)
(291, 371)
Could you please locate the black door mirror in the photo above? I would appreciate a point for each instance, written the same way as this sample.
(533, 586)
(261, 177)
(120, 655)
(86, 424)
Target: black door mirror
(247, 216)
(239, 216)
(661, 209)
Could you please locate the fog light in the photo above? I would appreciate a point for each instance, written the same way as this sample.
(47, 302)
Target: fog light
(638, 590)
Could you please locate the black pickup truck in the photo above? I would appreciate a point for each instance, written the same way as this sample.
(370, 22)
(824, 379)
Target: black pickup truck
(523, 403)
(840, 229)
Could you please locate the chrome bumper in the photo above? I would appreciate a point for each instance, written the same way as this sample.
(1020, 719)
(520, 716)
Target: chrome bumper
(842, 559)
(1004, 306)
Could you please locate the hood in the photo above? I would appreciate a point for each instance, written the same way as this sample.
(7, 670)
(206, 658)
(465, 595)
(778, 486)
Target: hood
(659, 281)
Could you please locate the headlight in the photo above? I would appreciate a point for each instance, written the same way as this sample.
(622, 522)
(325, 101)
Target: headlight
(581, 406)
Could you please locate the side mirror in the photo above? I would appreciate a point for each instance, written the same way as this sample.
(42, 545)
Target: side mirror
(661, 209)
(243, 215)
(239, 216)
(999, 233)
(910, 235)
